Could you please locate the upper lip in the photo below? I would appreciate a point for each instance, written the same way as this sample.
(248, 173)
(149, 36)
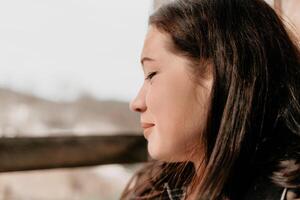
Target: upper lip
(146, 125)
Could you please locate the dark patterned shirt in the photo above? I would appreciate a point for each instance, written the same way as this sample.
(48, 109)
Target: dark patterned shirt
(175, 193)
(168, 193)
(181, 193)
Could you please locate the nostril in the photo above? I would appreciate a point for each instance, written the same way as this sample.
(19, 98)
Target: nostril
(137, 110)
(134, 108)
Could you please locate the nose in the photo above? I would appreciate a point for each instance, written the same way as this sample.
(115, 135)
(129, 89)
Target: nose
(138, 103)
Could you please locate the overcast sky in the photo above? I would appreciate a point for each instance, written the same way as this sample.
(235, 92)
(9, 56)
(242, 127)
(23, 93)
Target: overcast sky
(57, 49)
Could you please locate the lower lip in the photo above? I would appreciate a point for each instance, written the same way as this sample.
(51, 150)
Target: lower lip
(147, 132)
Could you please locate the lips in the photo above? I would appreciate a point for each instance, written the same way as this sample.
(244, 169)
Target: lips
(146, 125)
(147, 129)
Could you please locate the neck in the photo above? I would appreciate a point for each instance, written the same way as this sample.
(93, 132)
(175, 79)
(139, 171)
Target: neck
(192, 191)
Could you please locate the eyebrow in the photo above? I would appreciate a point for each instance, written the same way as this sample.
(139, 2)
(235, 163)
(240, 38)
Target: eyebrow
(146, 59)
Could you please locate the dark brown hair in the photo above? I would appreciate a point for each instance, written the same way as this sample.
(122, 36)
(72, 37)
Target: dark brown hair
(253, 126)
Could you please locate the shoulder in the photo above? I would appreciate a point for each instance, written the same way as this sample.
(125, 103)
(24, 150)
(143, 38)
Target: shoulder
(276, 169)
(264, 188)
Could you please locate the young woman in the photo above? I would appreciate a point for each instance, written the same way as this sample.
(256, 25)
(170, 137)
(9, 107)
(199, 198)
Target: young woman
(220, 104)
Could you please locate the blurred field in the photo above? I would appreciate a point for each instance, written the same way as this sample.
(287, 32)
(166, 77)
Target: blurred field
(26, 115)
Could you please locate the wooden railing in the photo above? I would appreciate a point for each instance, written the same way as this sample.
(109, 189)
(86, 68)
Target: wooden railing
(20, 154)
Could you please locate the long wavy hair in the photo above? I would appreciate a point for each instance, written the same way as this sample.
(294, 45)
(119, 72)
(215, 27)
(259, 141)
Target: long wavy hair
(253, 126)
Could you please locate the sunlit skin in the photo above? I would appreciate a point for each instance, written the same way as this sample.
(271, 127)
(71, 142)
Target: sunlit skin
(171, 100)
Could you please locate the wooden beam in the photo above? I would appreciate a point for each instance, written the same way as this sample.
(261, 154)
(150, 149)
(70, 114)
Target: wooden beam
(20, 154)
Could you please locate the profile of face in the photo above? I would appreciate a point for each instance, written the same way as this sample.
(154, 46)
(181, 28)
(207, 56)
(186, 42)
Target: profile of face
(170, 100)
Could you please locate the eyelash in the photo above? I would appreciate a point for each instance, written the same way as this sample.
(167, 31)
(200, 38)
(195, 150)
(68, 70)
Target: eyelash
(150, 76)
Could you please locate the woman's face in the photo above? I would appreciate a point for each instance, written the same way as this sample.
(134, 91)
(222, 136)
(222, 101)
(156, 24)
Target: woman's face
(171, 101)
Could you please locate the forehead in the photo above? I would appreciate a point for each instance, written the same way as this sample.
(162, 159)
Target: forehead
(156, 43)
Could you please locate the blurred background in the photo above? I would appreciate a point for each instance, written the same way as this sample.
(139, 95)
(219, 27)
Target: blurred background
(70, 67)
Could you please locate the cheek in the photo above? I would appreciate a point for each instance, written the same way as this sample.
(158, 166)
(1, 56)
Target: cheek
(170, 100)
(164, 105)
(171, 110)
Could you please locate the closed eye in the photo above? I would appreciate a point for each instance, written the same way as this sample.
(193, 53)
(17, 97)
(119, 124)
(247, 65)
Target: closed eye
(150, 76)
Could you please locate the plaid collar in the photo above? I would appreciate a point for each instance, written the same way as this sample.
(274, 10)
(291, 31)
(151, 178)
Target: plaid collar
(175, 193)
(168, 193)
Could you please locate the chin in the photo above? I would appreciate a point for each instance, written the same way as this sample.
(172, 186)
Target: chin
(155, 153)
(160, 154)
